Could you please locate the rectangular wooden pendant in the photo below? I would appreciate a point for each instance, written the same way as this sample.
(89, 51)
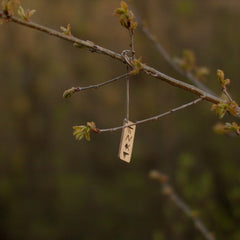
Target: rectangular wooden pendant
(126, 144)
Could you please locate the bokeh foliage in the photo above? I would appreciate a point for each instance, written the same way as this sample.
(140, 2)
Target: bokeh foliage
(53, 187)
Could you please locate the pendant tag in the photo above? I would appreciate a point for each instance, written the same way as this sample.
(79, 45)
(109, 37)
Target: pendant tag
(126, 143)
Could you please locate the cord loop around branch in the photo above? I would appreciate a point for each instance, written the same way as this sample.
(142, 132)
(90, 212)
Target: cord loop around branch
(126, 58)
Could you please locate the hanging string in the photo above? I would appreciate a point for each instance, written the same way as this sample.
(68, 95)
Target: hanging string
(127, 95)
(128, 78)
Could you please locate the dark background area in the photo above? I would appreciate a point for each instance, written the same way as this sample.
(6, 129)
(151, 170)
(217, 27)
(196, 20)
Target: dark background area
(53, 187)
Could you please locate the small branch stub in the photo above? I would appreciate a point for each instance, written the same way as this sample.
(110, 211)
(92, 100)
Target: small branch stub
(126, 144)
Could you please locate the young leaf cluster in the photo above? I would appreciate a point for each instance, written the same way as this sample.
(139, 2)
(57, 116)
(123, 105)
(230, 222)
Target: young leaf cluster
(127, 18)
(188, 64)
(9, 6)
(25, 14)
(137, 66)
(223, 107)
(227, 106)
(66, 30)
(227, 128)
(233, 127)
(223, 82)
(84, 131)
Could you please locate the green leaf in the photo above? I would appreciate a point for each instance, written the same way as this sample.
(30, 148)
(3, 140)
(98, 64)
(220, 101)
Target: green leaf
(84, 131)
(79, 132)
(87, 134)
(92, 125)
(220, 75)
(124, 5)
(119, 11)
(21, 12)
(127, 18)
(224, 82)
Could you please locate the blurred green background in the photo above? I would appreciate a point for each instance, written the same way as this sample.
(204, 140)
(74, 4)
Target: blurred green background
(52, 187)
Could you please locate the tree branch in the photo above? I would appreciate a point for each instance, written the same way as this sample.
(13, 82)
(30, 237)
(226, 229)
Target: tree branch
(96, 86)
(168, 191)
(90, 45)
(98, 49)
(167, 57)
(154, 118)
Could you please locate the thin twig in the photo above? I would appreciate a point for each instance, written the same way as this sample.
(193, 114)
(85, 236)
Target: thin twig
(98, 49)
(169, 191)
(132, 43)
(152, 118)
(167, 57)
(227, 94)
(96, 86)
